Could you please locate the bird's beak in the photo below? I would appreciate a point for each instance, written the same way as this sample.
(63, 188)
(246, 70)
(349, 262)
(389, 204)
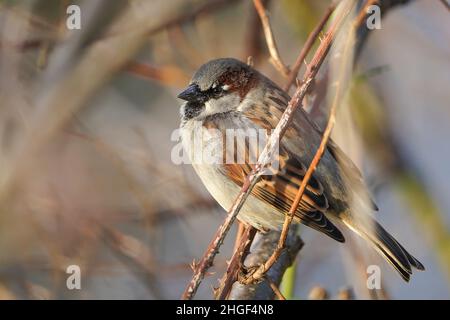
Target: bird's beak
(192, 93)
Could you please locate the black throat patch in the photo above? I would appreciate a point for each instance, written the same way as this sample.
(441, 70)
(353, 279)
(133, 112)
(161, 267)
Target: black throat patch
(192, 109)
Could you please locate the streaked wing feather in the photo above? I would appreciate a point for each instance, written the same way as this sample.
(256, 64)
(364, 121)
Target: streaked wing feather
(349, 170)
(279, 191)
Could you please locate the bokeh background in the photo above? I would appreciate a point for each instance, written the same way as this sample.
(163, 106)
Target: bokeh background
(86, 118)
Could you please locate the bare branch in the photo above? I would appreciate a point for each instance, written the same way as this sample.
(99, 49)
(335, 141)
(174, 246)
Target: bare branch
(307, 47)
(213, 248)
(235, 263)
(262, 247)
(271, 44)
(276, 290)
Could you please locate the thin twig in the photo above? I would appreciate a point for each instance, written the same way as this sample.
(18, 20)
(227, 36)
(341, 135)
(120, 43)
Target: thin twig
(363, 13)
(307, 47)
(213, 248)
(235, 263)
(253, 40)
(239, 234)
(275, 289)
(261, 248)
(271, 44)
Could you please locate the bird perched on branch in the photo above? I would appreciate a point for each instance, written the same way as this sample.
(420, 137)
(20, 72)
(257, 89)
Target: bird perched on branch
(228, 104)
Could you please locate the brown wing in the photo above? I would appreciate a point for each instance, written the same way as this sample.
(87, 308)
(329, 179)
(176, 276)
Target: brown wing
(280, 188)
(349, 171)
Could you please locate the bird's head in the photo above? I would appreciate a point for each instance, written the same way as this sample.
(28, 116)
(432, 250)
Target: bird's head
(218, 86)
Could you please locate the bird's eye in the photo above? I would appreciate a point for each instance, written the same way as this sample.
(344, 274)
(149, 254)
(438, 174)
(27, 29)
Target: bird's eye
(216, 91)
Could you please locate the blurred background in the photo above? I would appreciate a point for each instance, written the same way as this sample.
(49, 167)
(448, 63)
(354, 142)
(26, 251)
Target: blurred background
(87, 115)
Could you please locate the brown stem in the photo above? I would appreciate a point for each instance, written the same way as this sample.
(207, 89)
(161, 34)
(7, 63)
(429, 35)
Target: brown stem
(213, 248)
(271, 44)
(262, 247)
(239, 235)
(253, 40)
(235, 263)
(276, 290)
(307, 47)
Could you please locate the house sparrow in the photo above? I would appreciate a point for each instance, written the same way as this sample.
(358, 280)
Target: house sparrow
(227, 96)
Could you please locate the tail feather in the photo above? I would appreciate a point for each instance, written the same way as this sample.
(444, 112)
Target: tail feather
(386, 245)
(412, 260)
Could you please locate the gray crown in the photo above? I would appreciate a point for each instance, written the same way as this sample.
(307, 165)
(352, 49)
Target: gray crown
(208, 73)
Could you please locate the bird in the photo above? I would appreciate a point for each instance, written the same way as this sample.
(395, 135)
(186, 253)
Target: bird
(227, 97)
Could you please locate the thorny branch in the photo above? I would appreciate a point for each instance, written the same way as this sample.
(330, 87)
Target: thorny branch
(307, 47)
(275, 58)
(213, 248)
(235, 263)
(276, 290)
(261, 248)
